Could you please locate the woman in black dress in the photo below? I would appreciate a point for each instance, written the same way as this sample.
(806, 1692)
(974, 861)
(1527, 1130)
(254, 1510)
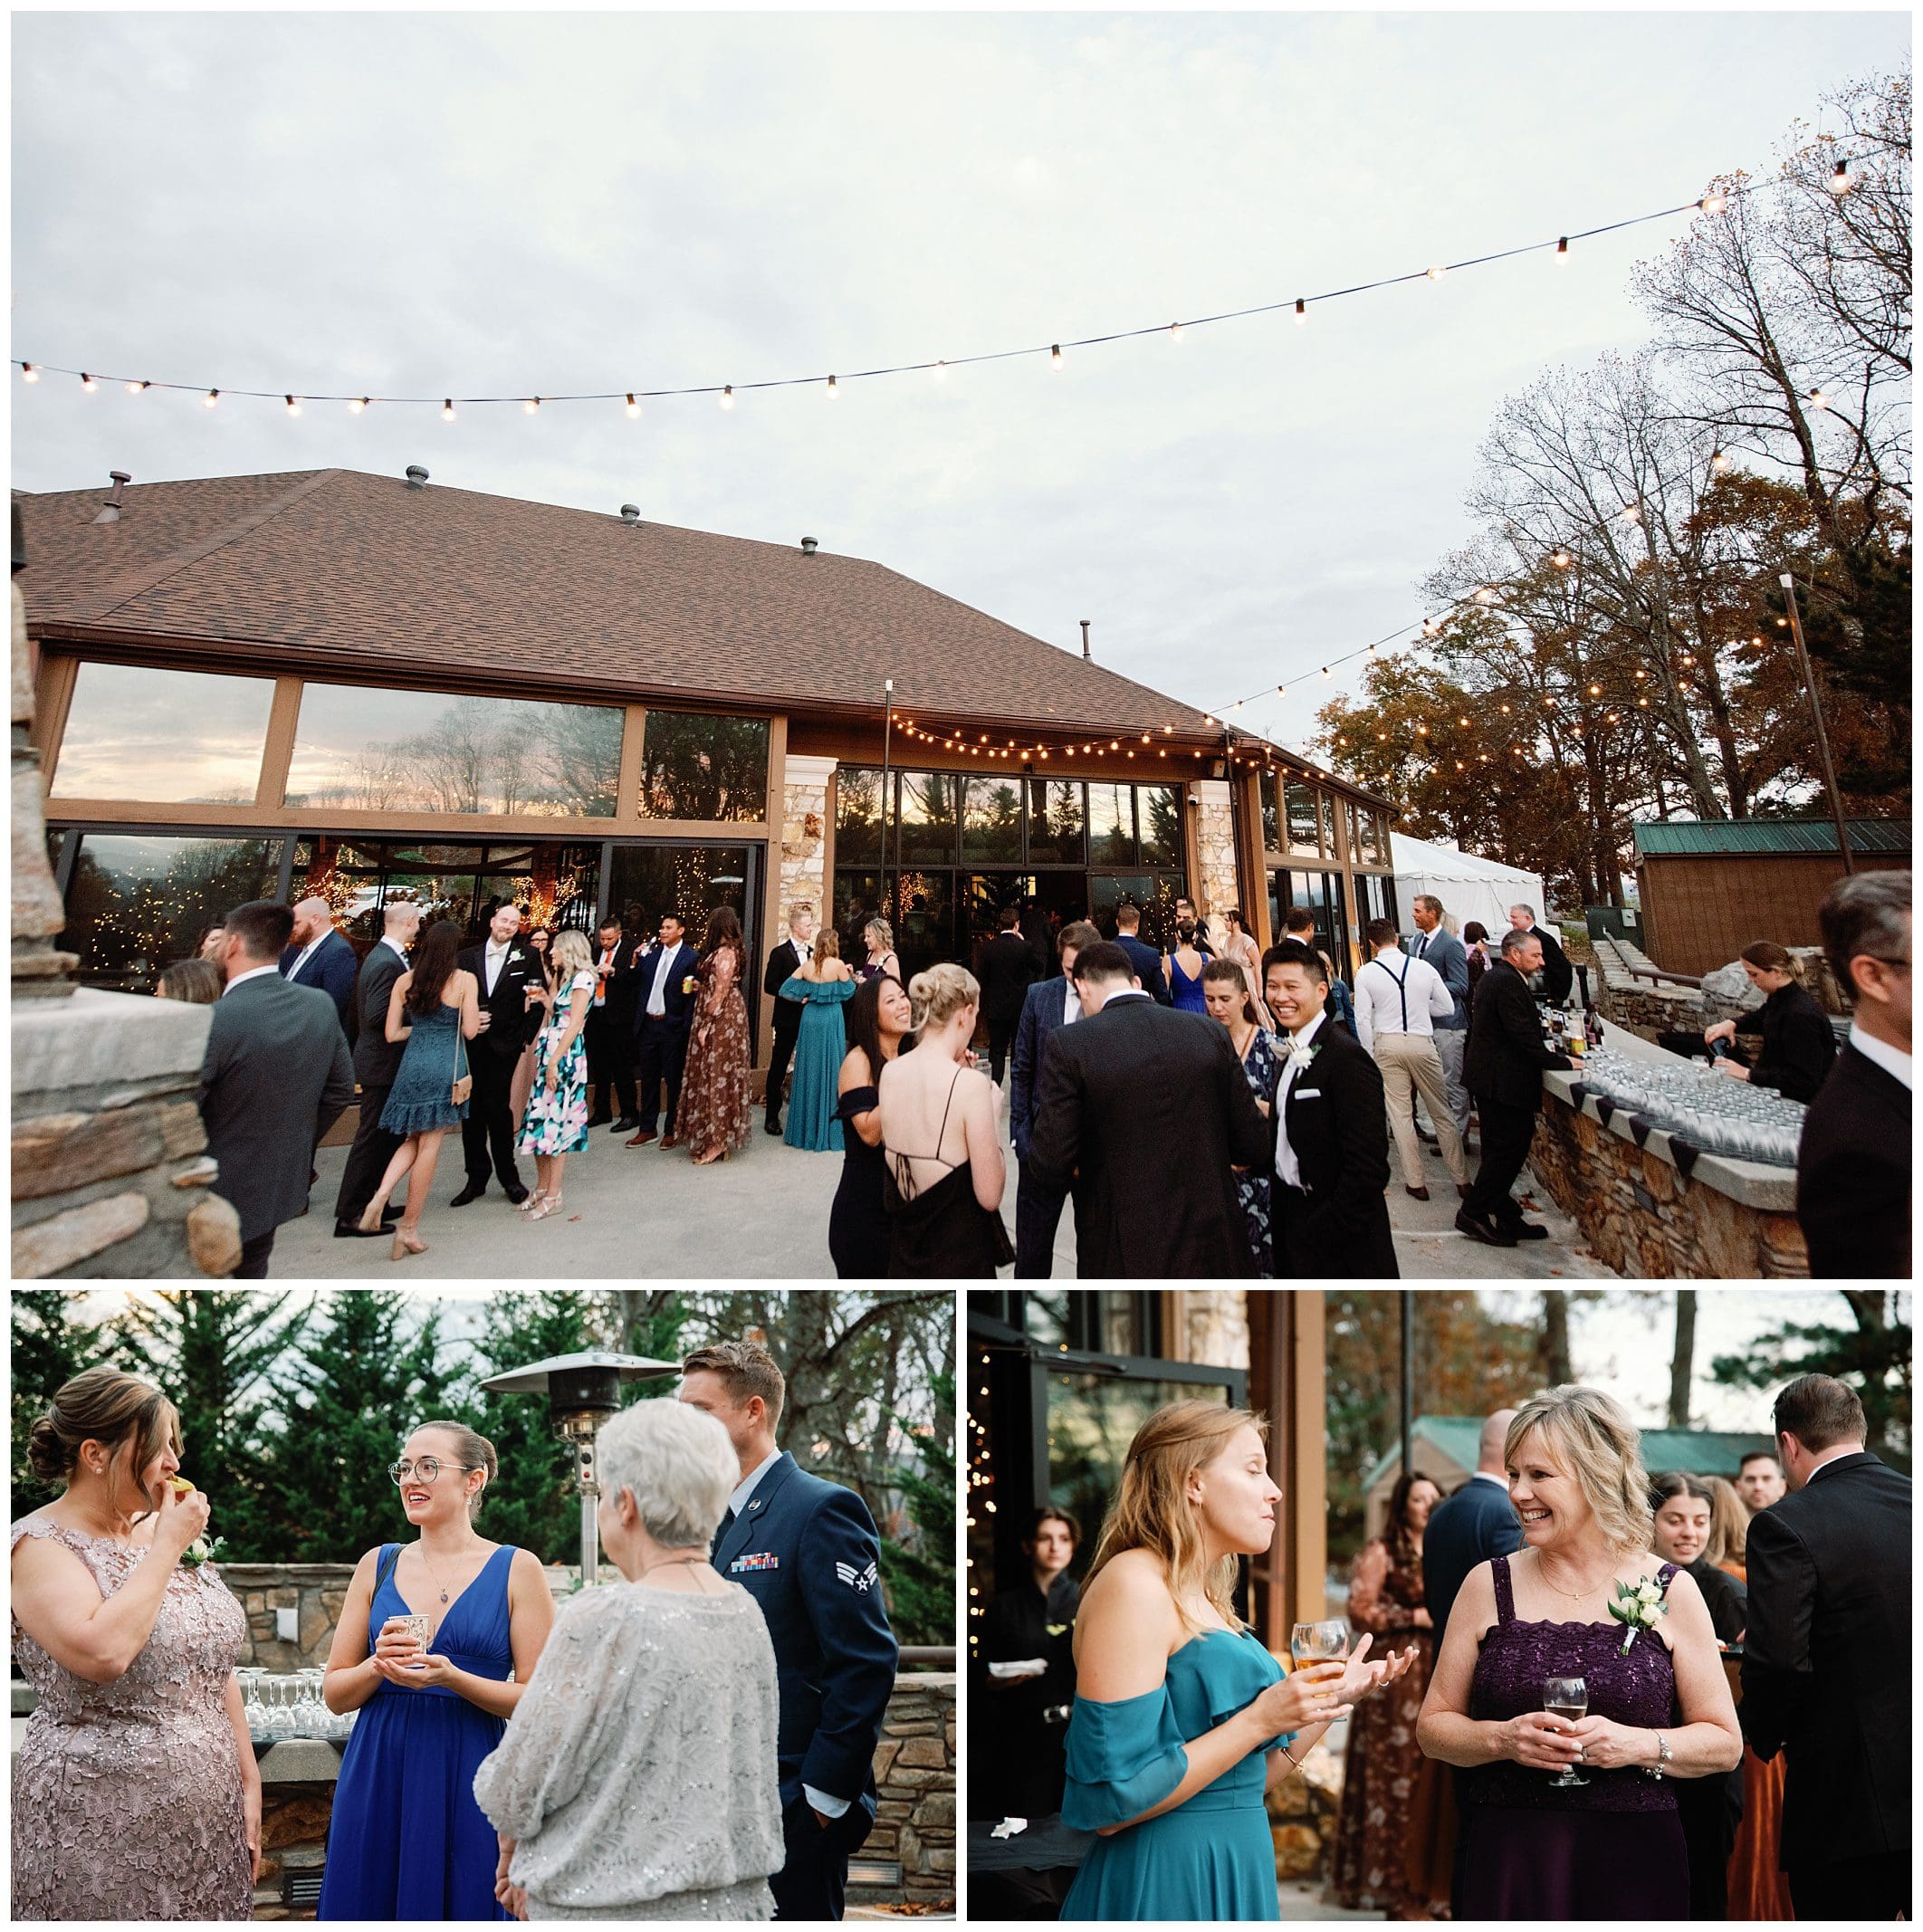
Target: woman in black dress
(858, 1234)
(1032, 1620)
(1798, 1043)
(942, 1139)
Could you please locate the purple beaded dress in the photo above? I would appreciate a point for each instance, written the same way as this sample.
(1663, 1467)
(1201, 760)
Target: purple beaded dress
(1611, 1849)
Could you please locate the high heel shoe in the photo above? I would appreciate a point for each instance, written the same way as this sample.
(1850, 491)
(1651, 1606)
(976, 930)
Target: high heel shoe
(369, 1221)
(532, 1201)
(551, 1204)
(406, 1242)
(713, 1160)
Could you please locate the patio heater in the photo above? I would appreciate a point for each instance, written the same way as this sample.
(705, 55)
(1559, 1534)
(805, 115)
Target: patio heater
(582, 1391)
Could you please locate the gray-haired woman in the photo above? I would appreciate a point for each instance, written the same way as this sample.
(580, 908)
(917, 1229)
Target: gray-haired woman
(637, 1779)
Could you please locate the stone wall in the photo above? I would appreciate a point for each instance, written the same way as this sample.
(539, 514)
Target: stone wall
(804, 843)
(914, 1777)
(1215, 888)
(1649, 1006)
(314, 1591)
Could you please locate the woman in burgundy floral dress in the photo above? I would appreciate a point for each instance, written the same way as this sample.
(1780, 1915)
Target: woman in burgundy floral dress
(1609, 1844)
(714, 1115)
(1383, 1768)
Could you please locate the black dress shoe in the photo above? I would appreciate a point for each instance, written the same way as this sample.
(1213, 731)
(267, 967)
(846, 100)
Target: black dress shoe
(599, 1120)
(1527, 1231)
(471, 1191)
(1481, 1231)
(1416, 1193)
(352, 1230)
(626, 1124)
(773, 1124)
(516, 1195)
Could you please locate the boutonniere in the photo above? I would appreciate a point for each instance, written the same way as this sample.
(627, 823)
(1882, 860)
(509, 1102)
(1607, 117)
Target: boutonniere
(201, 1550)
(1299, 1053)
(1060, 1630)
(1638, 1604)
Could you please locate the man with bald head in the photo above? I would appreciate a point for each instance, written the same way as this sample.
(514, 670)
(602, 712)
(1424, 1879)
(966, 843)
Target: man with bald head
(319, 956)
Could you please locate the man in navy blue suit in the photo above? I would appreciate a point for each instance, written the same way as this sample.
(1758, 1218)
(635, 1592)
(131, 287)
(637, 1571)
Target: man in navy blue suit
(1050, 1005)
(806, 1550)
(316, 955)
(1145, 959)
(663, 1011)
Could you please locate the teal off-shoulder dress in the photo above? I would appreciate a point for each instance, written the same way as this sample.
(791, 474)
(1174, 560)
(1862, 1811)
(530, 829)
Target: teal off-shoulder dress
(1211, 1858)
(819, 1050)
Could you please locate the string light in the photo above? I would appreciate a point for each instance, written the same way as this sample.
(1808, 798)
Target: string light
(1301, 312)
(88, 383)
(1561, 559)
(727, 396)
(833, 390)
(293, 408)
(210, 398)
(1840, 182)
(1437, 273)
(1722, 463)
(531, 404)
(1055, 355)
(1174, 332)
(1818, 399)
(447, 411)
(1562, 252)
(355, 404)
(134, 389)
(28, 373)
(633, 408)
(1713, 203)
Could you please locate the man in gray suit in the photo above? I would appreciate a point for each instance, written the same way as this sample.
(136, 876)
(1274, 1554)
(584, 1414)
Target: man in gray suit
(377, 1060)
(1436, 943)
(277, 1076)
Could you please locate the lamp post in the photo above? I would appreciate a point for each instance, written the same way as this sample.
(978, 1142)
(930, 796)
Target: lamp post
(887, 725)
(582, 1391)
(1823, 737)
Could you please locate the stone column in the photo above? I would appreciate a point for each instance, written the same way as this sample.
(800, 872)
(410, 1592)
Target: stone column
(802, 873)
(1217, 887)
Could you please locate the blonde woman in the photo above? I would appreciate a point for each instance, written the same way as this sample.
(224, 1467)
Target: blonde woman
(1182, 1720)
(1608, 1845)
(822, 988)
(946, 1167)
(556, 1118)
(878, 937)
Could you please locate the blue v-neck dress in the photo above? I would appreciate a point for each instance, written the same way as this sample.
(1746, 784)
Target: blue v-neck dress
(1211, 1858)
(407, 1840)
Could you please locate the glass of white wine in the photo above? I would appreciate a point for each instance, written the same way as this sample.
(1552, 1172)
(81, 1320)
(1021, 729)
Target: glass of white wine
(1566, 1698)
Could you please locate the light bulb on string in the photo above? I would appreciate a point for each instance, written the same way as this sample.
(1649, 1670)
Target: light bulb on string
(1055, 355)
(1840, 182)
(1722, 463)
(1561, 559)
(1713, 203)
(293, 408)
(134, 389)
(633, 407)
(1818, 399)
(1326, 674)
(941, 369)
(1562, 252)
(447, 409)
(1301, 312)
(531, 404)
(28, 373)
(1174, 332)
(727, 396)
(88, 383)
(1632, 513)
(833, 390)
(210, 398)
(1437, 273)
(355, 404)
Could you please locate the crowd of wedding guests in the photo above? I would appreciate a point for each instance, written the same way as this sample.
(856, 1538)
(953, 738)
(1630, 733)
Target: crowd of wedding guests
(1735, 1747)
(693, 1742)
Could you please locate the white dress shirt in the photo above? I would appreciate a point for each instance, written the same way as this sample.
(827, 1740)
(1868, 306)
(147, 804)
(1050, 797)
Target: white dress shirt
(494, 957)
(1893, 1060)
(1380, 1006)
(1286, 1170)
(400, 951)
(658, 986)
(253, 972)
(1073, 1010)
(307, 952)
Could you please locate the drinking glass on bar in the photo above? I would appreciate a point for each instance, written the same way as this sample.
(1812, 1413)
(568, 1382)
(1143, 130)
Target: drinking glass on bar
(1566, 1698)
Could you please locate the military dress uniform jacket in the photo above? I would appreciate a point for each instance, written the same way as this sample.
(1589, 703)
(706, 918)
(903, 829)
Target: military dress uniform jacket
(806, 1551)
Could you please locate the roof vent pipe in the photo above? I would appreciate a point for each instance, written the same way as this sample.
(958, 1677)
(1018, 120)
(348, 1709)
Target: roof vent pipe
(417, 477)
(808, 546)
(110, 509)
(1087, 656)
(630, 513)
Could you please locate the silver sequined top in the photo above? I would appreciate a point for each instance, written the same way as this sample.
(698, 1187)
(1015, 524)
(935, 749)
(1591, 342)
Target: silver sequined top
(640, 1763)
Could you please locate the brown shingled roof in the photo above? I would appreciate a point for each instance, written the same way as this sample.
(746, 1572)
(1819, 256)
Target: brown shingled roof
(339, 566)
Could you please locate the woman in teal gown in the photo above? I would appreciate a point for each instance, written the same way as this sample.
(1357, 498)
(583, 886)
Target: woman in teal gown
(824, 987)
(1182, 1720)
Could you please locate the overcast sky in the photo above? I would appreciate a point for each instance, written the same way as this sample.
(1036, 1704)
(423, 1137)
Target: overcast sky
(506, 204)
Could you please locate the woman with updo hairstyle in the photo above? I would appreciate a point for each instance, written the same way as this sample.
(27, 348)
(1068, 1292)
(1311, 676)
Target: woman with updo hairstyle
(1182, 1720)
(1797, 1044)
(637, 1779)
(1612, 1845)
(941, 1141)
(428, 1637)
(136, 1793)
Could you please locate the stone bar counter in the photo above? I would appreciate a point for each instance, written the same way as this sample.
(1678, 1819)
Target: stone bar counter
(1643, 1214)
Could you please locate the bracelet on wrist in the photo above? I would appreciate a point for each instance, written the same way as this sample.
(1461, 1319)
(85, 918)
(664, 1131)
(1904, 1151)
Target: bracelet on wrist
(1664, 1756)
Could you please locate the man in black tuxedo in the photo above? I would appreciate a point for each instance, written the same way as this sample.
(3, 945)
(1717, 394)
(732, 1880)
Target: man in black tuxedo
(1143, 961)
(1826, 1666)
(664, 1011)
(316, 955)
(609, 1031)
(1503, 1066)
(784, 961)
(504, 970)
(1558, 974)
(1328, 1133)
(1007, 972)
(276, 1076)
(376, 1060)
(1852, 1169)
(1050, 1005)
(1144, 1112)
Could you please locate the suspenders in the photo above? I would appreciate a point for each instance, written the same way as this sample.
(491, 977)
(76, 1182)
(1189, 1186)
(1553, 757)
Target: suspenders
(1402, 986)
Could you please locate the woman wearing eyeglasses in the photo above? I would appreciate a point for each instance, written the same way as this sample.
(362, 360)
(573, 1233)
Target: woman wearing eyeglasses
(407, 1840)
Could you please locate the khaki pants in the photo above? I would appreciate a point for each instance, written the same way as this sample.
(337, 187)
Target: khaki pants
(1410, 1061)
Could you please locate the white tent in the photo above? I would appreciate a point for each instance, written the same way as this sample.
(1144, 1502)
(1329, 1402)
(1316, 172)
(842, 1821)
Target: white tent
(1467, 886)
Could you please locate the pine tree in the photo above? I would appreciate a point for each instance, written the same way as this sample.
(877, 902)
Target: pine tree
(50, 1347)
(213, 1351)
(357, 1385)
(920, 1572)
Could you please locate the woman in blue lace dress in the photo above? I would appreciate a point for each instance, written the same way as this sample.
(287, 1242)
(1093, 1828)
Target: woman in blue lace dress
(1182, 1720)
(1228, 999)
(436, 1007)
(1608, 1845)
(823, 989)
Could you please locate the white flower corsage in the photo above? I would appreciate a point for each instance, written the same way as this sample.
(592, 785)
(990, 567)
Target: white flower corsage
(1300, 1053)
(201, 1550)
(1638, 1604)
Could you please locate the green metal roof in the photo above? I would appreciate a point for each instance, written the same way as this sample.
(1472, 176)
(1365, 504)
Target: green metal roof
(1700, 1451)
(1710, 838)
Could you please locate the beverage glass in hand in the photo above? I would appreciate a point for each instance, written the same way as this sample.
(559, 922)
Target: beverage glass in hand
(1326, 1642)
(1566, 1698)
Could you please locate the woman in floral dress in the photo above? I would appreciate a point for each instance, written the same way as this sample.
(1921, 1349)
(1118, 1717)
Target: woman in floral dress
(1384, 1772)
(1226, 997)
(556, 1124)
(714, 1117)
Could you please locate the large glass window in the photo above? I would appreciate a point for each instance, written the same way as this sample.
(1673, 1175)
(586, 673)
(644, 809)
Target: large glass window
(992, 822)
(1158, 808)
(137, 903)
(1325, 810)
(1271, 816)
(553, 885)
(1299, 803)
(1112, 825)
(695, 765)
(1376, 890)
(927, 820)
(857, 814)
(365, 748)
(1058, 819)
(1372, 844)
(175, 737)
